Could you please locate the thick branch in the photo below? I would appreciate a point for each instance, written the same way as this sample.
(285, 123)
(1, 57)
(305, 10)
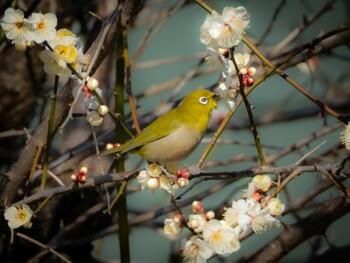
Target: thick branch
(314, 224)
(17, 176)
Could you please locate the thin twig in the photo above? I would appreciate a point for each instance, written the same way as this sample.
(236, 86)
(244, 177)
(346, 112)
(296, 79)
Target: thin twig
(39, 244)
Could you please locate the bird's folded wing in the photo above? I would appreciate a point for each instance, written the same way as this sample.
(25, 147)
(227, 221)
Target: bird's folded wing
(160, 128)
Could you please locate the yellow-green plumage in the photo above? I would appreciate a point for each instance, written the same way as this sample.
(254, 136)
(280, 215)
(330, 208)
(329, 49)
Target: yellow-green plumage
(176, 134)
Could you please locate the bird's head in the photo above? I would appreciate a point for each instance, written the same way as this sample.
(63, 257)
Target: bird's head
(199, 102)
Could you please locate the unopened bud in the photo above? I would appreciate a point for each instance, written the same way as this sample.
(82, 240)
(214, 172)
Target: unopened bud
(102, 110)
(251, 71)
(182, 182)
(224, 51)
(92, 84)
(109, 146)
(243, 70)
(210, 215)
(197, 207)
(178, 218)
(83, 170)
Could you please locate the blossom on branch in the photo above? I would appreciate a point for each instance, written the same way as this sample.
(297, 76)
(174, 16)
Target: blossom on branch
(172, 228)
(16, 27)
(44, 26)
(18, 215)
(196, 250)
(64, 52)
(224, 30)
(275, 206)
(221, 237)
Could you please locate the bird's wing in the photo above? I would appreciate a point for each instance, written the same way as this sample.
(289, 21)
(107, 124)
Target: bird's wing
(160, 128)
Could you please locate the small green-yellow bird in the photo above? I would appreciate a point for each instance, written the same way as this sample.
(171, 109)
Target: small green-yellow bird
(176, 134)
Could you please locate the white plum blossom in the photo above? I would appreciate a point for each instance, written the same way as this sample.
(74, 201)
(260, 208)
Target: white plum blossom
(18, 215)
(242, 60)
(142, 178)
(153, 177)
(224, 30)
(64, 52)
(216, 60)
(16, 27)
(248, 213)
(44, 26)
(166, 184)
(229, 89)
(172, 228)
(221, 237)
(154, 170)
(64, 37)
(196, 250)
(228, 95)
(51, 66)
(275, 206)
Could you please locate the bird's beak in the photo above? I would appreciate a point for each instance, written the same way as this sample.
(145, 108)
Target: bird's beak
(215, 98)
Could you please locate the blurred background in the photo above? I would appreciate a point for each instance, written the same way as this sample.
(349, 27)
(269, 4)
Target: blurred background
(166, 64)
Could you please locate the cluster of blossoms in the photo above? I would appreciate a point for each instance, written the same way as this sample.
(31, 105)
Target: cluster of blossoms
(345, 137)
(80, 176)
(221, 33)
(96, 111)
(18, 215)
(255, 211)
(23, 32)
(62, 55)
(62, 51)
(156, 177)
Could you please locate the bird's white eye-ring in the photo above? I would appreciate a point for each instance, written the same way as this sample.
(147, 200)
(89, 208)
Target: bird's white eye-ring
(203, 100)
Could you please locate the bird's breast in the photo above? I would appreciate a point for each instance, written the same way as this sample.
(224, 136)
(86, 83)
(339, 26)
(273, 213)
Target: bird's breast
(174, 147)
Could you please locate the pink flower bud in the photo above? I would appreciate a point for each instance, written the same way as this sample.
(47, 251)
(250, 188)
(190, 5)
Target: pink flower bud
(210, 215)
(197, 207)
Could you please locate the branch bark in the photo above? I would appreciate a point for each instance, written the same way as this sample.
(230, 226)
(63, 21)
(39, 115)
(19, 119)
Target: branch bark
(102, 46)
(314, 224)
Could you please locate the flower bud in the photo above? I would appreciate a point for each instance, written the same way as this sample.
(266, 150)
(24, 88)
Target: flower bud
(243, 70)
(81, 178)
(182, 182)
(92, 84)
(83, 170)
(247, 81)
(251, 71)
(224, 52)
(262, 182)
(185, 174)
(210, 215)
(178, 173)
(102, 110)
(109, 146)
(194, 223)
(197, 207)
(178, 218)
(197, 222)
(73, 177)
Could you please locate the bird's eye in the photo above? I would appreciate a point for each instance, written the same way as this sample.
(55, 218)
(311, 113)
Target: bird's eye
(203, 100)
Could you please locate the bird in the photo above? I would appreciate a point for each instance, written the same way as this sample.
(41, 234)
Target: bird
(175, 135)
